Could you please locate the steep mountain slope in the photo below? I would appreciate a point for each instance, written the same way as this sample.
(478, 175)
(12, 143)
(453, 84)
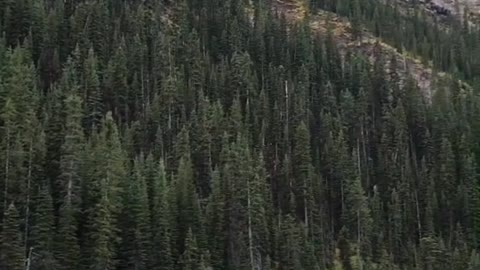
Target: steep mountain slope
(366, 44)
(237, 135)
(448, 8)
(455, 6)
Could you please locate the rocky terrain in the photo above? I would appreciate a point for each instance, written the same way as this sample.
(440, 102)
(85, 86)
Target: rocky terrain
(447, 8)
(473, 5)
(369, 45)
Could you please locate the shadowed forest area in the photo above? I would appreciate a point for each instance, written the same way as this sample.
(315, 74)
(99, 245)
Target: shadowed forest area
(222, 134)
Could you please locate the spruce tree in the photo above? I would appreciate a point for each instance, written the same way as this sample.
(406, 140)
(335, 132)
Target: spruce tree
(135, 222)
(302, 162)
(42, 232)
(216, 220)
(105, 175)
(92, 94)
(290, 241)
(190, 259)
(201, 139)
(12, 253)
(116, 82)
(161, 231)
(69, 182)
(187, 204)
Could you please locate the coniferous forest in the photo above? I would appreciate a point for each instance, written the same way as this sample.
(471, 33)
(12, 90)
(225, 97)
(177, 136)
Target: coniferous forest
(219, 134)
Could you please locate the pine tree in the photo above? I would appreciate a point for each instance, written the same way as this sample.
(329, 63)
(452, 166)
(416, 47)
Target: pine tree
(19, 22)
(92, 93)
(18, 101)
(356, 20)
(357, 215)
(12, 253)
(67, 242)
(431, 253)
(201, 139)
(476, 212)
(38, 28)
(135, 225)
(70, 161)
(187, 205)
(257, 215)
(190, 259)
(161, 232)
(103, 189)
(67, 246)
(302, 162)
(42, 232)
(344, 248)
(8, 112)
(116, 82)
(102, 232)
(240, 78)
(216, 220)
(290, 241)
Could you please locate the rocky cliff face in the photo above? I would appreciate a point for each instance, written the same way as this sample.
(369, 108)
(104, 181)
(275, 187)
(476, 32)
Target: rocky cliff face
(452, 7)
(368, 45)
(473, 5)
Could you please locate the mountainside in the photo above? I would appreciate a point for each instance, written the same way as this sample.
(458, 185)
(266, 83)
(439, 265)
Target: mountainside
(456, 6)
(367, 44)
(239, 135)
(445, 10)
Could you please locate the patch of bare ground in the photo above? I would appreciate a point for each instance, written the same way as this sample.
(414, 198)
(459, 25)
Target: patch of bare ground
(457, 6)
(444, 9)
(368, 45)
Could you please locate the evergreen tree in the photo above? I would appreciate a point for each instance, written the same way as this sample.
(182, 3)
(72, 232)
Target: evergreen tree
(92, 94)
(290, 237)
(105, 176)
(187, 204)
(135, 225)
(12, 255)
(302, 162)
(42, 232)
(161, 232)
(67, 245)
(116, 82)
(190, 259)
(236, 138)
(201, 153)
(216, 220)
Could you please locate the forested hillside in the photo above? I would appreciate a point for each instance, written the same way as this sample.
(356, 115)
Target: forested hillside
(228, 134)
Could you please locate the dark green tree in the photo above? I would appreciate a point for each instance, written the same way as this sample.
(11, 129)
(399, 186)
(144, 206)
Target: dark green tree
(42, 232)
(12, 253)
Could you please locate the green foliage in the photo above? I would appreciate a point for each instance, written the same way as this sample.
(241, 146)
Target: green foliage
(136, 234)
(161, 227)
(11, 241)
(42, 233)
(221, 135)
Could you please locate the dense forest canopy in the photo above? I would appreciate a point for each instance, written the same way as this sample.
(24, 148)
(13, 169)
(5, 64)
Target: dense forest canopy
(218, 134)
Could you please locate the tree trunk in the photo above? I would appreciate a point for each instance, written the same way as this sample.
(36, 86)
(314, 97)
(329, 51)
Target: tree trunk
(7, 166)
(250, 234)
(27, 205)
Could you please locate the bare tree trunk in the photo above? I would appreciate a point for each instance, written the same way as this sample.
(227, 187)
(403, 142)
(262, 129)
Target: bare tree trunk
(29, 259)
(342, 195)
(358, 240)
(305, 207)
(365, 157)
(419, 224)
(70, 184)
(250, 234)
(29, 181)
(7, 166)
